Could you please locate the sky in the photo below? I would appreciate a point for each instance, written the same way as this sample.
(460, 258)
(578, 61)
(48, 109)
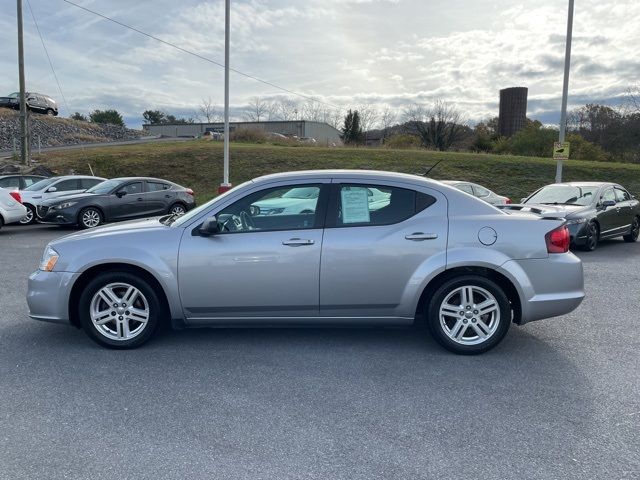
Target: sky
(347, 53)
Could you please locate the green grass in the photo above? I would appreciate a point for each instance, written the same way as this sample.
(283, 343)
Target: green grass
(198, 165)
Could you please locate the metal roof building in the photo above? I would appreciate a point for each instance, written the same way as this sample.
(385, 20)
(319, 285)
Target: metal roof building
(324, 133)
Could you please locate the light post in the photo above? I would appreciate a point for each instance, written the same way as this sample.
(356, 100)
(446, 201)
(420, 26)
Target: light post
(225, 182)
(24, 150)
(565, 88)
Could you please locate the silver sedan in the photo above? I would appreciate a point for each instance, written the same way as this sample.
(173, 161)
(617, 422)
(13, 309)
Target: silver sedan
(429, 254)
(479, 191)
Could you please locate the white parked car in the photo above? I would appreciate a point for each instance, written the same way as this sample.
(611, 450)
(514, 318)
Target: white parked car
(11, 210)
(53, 187)
(479, 191)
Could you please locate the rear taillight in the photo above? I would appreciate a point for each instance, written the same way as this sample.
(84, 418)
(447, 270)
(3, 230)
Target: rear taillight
(190, 192)
(558, 240)
(508, 201)
(16, 196)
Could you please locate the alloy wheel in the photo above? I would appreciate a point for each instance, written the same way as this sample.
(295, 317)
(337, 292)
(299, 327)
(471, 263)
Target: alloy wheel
(28, 218)
(177, 210)
(90, 218)
(119, 311)
(469, 315)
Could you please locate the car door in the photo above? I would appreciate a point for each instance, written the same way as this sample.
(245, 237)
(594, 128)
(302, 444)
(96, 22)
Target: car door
(61, 188)
(609, 217)
(263, 268)
(625, 206)
(370, 257)
(127, 201)
(159, 197)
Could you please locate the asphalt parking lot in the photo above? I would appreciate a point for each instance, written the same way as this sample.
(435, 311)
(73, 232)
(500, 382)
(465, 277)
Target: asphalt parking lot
(558, 398)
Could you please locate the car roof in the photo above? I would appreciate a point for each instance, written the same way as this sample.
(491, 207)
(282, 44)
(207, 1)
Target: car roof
(65, 177)
(22, 175)
(361, 174)
(151, 179)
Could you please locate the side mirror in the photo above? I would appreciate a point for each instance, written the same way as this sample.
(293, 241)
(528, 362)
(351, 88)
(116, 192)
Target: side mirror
(52, 189)
(608, 203)
(121, 193)
(209, 227)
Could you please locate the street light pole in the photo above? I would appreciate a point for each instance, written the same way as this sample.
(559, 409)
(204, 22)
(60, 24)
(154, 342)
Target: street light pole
(227, 15)
(24, 152)
(565, 87)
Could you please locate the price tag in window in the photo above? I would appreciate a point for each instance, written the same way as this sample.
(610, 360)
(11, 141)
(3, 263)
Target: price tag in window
(355, 205)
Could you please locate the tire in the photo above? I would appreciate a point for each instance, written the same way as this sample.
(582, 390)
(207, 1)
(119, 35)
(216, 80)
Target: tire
(125, 329)
(30, 217)
(1, 222)
(50, 112)
(90, 217)
(178, 208)
(459, 325)
(632, 236)
(593, 237)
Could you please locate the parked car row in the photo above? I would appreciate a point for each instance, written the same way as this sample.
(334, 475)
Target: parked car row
(87, 201)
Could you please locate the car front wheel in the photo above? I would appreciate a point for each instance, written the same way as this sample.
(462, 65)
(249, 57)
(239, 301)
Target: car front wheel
(90, 218)
(119, 310)
(593, 234)
(469, 314)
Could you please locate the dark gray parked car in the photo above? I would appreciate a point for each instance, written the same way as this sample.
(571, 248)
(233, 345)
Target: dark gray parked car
(36, 102)
(593, 210)
(117, 200)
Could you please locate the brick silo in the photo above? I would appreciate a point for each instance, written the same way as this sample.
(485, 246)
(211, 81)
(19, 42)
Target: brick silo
(513, 110)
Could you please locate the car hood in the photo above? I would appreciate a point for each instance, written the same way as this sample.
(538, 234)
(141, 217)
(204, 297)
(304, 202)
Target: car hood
(113, 230)
(67, 198)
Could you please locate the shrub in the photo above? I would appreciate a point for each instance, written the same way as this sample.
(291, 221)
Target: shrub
(403, 141)
(248, 135)
(581, 149)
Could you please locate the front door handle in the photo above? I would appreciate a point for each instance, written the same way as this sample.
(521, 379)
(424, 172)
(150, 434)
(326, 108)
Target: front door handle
(139, 199)
(419, 236)
(297, 242)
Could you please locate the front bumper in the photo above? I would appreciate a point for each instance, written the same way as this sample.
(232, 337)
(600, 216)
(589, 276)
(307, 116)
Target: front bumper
(578, 233)
(59, 217)
(548, 287)
(48, 295)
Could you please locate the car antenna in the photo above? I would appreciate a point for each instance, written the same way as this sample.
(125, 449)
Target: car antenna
(427, 172)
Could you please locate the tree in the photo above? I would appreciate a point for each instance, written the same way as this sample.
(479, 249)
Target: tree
(439, 126)
(256, 110)
(79, 116)
(208, 110)
(154, 117)
(351, 130)
(177, 120)
(633, 99)
(286, 109)
(387, 120)
(111, 117)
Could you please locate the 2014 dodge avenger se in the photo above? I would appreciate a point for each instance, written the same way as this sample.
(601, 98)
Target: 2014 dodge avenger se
(421, 251)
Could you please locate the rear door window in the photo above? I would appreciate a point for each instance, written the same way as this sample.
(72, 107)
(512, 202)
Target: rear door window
(10, 182)
(67, 185)
(622, 195)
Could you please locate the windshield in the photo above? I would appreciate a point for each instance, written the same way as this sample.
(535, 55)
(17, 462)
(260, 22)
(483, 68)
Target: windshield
(564, 195)
(41, 185)
(104, 187)
(182, 219)
(13, 95)
(302, 192)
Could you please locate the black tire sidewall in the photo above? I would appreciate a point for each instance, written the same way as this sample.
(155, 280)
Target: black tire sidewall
(433, 314)
(82, 212)
(629, 238)
(155, 309)
(596, 233)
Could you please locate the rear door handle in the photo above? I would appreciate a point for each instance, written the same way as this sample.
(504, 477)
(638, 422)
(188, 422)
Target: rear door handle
(419, 236)
(298, 242)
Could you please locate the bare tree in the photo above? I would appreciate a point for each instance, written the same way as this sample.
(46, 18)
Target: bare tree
(208, 110)
(333, 117)
(387, 120)
(633, 99)
(312, 110)
(286, 109)
(256, 110)
(439, 126)
(368, 117)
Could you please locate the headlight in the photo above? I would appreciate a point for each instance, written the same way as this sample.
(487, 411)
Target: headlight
(62, 206)
(576, 221)
(49, 259)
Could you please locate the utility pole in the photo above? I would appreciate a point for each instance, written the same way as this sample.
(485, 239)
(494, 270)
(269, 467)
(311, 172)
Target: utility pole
(23, 101)
(227, 15)
(565, 87)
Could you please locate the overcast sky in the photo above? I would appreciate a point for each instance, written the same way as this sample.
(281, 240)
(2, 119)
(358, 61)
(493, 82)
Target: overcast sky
(344, 52)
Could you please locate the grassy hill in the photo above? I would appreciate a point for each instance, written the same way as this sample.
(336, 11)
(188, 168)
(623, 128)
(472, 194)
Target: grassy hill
(198, 165)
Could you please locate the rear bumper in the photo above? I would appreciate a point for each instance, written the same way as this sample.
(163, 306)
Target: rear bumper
(14, 214)
(548, 287)
(48, 295)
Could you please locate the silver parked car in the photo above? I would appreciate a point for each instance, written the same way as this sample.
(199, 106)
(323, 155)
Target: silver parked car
(479, 191)
(433, 254)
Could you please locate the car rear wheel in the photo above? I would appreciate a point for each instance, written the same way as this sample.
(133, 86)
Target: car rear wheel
(469, 315)
(593, 234)
(50, 112)
(90, 218)
(119, 310)
(635, 231)
(30, 217)
(177, 209)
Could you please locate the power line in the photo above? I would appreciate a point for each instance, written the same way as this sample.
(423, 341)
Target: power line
(53, 70)
(197, 55)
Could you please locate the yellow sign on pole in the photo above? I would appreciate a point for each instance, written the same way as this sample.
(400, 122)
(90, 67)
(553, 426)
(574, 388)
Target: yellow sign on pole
(561, 151)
